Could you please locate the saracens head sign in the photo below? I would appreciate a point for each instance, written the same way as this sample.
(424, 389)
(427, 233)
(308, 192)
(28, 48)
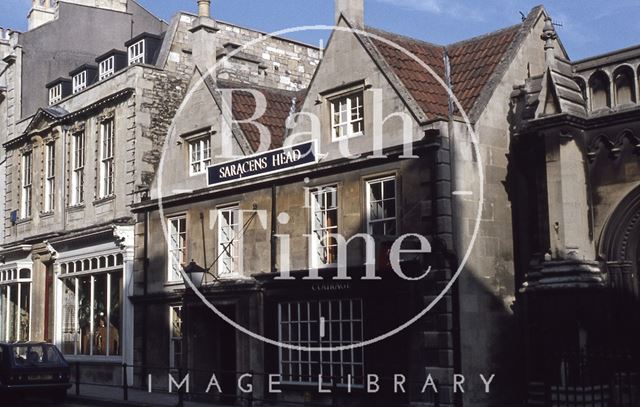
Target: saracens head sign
(261, 164)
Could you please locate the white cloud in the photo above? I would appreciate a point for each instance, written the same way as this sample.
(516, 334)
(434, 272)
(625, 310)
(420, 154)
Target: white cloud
(454, 9)
(431, 6)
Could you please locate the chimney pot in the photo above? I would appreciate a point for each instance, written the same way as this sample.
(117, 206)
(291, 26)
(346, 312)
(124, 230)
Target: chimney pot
(204, 8)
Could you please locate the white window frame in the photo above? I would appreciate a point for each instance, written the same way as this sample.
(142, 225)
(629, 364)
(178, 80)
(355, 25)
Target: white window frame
(136, 53)
(80, 82)
(107, 161)
(107, 68)
(55, 94)
(394, 200)
(92, 268)
(50, 177)
(10, 279)
(227, 233)
(316, 317)
(26, 198)
(77, 165)
(180, 249)
(199, 155)
(316, 242)
(174, 340)
(346, 104)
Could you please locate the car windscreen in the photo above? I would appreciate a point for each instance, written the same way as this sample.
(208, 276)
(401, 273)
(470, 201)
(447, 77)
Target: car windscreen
(36, 355)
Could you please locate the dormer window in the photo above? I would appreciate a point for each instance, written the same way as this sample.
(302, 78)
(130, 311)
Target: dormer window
(55, 94)
(136, 53)
(80, 82)
(107, 67)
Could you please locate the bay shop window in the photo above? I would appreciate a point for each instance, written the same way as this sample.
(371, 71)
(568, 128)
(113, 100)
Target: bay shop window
(92, 306)
(15, 304)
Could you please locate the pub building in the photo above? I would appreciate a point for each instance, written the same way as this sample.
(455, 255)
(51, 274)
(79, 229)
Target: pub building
(235, 219)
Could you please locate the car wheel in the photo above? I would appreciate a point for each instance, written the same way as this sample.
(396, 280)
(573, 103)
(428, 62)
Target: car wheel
(60, 397)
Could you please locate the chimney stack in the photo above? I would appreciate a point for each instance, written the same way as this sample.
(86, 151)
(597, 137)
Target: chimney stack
(204, 8)
(353, 10)
(204, 37)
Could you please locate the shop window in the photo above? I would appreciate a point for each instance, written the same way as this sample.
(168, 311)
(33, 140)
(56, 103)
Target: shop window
(315, 324)
(92, 313)
(324, 226)
(15, 306)
(229, 241)
(381, 207)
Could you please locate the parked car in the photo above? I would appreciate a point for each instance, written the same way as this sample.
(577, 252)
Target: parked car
(33, 368)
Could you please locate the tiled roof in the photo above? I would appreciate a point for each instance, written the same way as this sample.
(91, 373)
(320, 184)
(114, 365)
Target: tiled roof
(424, 87)
(280, 104)
(473, 62)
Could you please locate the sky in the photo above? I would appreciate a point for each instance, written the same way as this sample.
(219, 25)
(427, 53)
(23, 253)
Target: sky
(589, 27)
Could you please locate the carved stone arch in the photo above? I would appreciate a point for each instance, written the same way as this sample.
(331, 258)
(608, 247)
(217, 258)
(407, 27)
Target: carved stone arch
(598, 144)
(620, 237)
(600, 90)
(624, 85)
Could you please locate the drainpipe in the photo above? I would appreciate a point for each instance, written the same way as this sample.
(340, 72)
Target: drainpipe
(145, 290)
(452, 251)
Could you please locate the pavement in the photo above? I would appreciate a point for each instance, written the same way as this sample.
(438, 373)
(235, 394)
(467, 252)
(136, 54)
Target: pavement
(113, 396)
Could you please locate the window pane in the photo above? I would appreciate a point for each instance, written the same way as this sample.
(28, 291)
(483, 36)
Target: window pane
(69, 335)
(84, 314)
(13, 312)
(115, 315)
(3, 313)
(100, 315)
(25, 306)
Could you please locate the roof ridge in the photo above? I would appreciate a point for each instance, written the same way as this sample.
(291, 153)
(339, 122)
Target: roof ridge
(486, 35)
(406, 37)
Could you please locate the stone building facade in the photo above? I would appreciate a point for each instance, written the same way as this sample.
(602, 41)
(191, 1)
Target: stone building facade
(435, 194)
(82, 140)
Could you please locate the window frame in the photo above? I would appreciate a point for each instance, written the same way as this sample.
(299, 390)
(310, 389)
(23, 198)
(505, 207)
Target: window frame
(173, 363)
(94, 268)
(107, 68)
(236, 247)
(369, 221)
(349, 123)
(313, 321)
(80, 82)
(172, 275)
(314, 244)
(11, 279)
(136, 53)
(203, 145)
(49, 177)
(107, 159)
(55, 94)
(26, 185)
(78, 156)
